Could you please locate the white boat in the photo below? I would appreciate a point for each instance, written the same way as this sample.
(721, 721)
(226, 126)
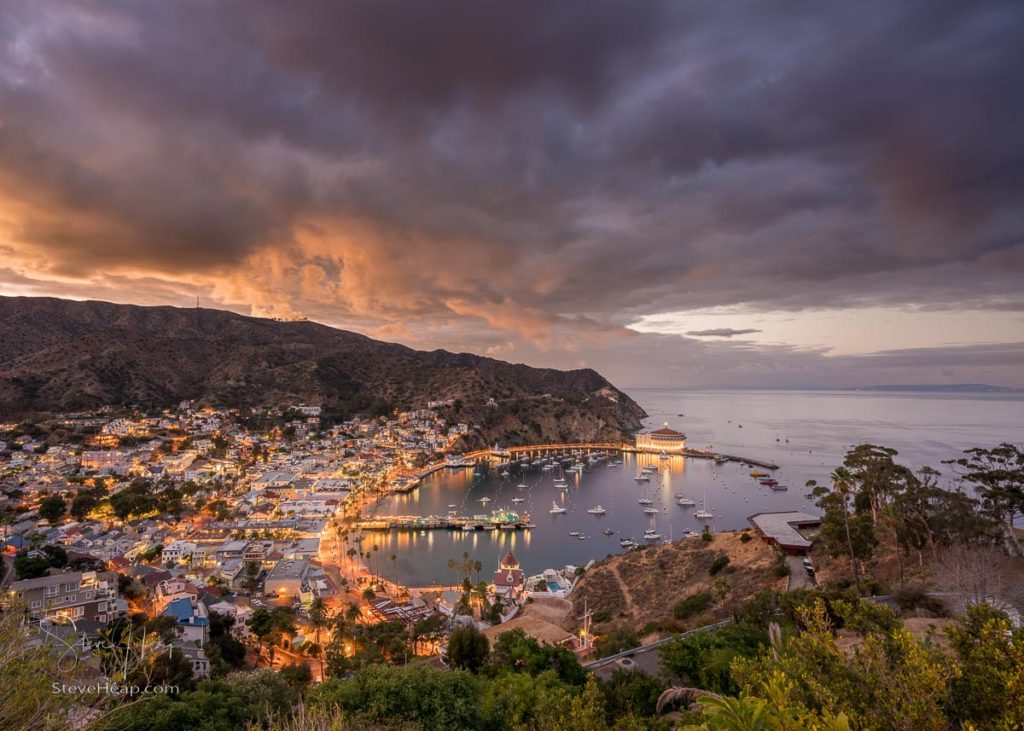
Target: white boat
(561, 482)
(522, 486)
(627, 542)
(597, 510)
(642, 478)
(684, 501)
(652, 535)
(645, 501)
(663, 455)
(705, 510)
(574, 533)
(556, 509)
(650, 510)
(518, 500)
(451, 506)
(485, 500)
(581, 538)
(609, 532)
(505, 473)
(778, 488)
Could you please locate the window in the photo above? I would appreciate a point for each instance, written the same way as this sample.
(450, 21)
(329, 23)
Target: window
(71, 587)
(36, 604)
(70, 598)
(52, 590)
(78, 611)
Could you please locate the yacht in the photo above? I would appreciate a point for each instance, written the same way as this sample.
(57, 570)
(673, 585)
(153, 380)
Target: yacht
(651, 510)
(704, 514)
(609, 532)
(685, 501)
(505, 473)
(645, 501)
(652, 535)
(561, 482)
(627, 542)
(597, 510)
(556, 509)
(518, 500)
(451, 506)
(642, 477)
(575, 533)
(581, 537)
(779, 487)
(485, 500)
(522, 486)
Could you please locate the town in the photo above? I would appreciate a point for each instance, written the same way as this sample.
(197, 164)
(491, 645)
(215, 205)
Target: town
(233, 533)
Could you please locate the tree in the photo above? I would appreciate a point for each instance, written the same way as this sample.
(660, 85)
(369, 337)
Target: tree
(261, 624)
(467, 648)
(251, 573)
(82, 504)
(889, 681)
(843, 534)
(30, 567)
(318, 620)
(998, 477)
(988, 690)
(616, 641)
(52, 508)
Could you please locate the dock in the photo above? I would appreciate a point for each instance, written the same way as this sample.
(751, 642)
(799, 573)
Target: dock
(498, 520)
(570, 449)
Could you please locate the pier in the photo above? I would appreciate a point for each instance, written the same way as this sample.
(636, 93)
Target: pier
(498, 520)
(590, 447)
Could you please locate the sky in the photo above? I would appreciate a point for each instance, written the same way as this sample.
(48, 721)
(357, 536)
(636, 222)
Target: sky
(783, 194)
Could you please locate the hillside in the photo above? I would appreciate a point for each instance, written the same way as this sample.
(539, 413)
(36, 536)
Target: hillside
(638, 589)
(62, 355)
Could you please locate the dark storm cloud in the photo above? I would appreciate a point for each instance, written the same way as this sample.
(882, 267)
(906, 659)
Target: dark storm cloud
(721, 332)
(527, 167)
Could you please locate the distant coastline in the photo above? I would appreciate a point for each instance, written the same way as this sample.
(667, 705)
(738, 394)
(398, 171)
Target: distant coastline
(890, 388)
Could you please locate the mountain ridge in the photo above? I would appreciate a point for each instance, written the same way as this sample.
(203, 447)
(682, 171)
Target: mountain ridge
(59, 355)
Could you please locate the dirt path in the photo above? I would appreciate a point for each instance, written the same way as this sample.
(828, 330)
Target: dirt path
(630, 606)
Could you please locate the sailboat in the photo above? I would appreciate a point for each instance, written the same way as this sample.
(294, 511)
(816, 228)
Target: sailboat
(705, 511)
(556, 509)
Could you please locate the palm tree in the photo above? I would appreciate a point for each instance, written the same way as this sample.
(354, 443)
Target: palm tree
(394, 568)
(319, 619)
(841, 482)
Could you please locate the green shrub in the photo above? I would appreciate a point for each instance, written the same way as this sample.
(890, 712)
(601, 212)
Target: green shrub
(692, 605)
(718, 564)
(745, 537)
(781, 569)
(705, 535)
(602, 616)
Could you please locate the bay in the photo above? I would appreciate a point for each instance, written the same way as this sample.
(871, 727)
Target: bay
(805, 432)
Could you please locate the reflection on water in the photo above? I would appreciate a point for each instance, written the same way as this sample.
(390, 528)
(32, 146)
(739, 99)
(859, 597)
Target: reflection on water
(806, 433)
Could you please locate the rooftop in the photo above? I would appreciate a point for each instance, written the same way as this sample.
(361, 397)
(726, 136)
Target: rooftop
(783, 527)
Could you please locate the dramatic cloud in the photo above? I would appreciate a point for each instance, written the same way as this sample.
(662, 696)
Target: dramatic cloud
(721, 332)
(526, 179)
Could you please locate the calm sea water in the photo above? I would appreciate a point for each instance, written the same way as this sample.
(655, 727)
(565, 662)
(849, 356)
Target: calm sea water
(805, 433)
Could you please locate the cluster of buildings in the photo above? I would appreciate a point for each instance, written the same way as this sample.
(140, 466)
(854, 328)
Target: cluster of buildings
(257, 495)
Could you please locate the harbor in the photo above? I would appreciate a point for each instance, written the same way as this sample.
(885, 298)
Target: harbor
(562, 504)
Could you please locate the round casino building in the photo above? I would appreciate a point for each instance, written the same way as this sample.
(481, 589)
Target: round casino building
(665, 440)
